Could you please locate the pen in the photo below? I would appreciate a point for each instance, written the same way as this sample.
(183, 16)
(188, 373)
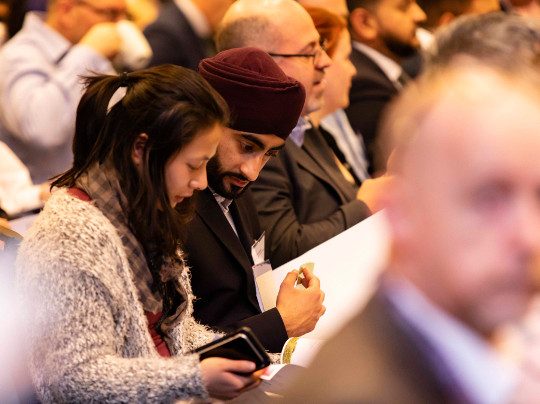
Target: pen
(299, 278)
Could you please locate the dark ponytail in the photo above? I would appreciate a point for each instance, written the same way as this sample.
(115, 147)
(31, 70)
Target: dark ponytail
(171, 105)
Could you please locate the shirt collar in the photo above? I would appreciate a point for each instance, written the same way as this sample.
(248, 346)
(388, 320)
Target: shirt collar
(297, 134)
(50, 41)
(195, 17)
(481, 373)
(391, 69)
(223, 202)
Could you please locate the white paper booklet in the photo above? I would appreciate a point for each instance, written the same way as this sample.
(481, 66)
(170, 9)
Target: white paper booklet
(348, 266)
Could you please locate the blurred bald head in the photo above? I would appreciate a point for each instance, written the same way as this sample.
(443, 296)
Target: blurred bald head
(465, 210)
(505, 41)
(258, 23)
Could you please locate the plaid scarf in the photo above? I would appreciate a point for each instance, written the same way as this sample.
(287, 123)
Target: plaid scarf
(101, 183)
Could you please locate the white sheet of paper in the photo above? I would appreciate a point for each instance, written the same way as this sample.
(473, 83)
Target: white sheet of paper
(347, 265)
(22, 224)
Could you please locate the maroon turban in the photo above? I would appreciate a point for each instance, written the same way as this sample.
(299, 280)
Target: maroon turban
(262, 99)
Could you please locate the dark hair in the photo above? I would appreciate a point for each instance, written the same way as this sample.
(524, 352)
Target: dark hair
(369, 4)
(434, 9)
(16, 9)
(170, 104)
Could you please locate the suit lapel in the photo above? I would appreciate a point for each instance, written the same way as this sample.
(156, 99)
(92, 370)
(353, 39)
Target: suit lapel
(317, 158)
(211, 214)
(367, 67)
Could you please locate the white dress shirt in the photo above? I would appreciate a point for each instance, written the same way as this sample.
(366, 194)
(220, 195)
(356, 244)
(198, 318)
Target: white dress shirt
(40, 88)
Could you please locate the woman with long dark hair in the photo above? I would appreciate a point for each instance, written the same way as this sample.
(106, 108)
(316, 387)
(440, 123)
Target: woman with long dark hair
(102, 270)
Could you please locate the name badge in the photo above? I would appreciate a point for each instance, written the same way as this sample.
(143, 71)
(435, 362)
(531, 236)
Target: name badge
(257, 250)
(258, 270)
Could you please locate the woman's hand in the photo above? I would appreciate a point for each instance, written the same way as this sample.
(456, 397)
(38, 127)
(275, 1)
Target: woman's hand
(226, 378)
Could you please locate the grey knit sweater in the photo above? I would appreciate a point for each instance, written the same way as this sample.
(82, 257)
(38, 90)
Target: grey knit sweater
(88, 335)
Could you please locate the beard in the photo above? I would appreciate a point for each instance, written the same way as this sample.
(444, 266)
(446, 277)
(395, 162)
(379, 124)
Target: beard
(216, 179)
(399, 48)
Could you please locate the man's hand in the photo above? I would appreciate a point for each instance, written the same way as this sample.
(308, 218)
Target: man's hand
(226, 378)
(372, 191)
(104, 39)
(300, 308)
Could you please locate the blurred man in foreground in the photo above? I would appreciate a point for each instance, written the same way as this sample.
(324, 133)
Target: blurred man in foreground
(464, 215)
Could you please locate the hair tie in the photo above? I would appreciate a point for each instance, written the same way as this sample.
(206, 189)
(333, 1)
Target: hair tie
(120, 91)
(124, 79)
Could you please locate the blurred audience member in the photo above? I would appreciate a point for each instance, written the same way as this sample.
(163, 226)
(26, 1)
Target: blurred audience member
(441, 12)
(331, 118)
(143, 12)
(302, 196)
(11, 18)
(40, 71)
(383, 33)
(17, 193)
(464, 215)
(529, 8)
(114, 318)
(182, 33)
(510, 42)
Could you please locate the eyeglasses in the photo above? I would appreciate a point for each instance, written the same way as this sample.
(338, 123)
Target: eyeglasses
(110, 14)
(316, 55)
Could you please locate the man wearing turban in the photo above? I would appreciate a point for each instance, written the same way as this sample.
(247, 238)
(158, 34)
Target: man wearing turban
(225, 244)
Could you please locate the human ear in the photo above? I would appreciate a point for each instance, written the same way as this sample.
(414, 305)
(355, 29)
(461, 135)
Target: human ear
(364, 25)
(139, 149)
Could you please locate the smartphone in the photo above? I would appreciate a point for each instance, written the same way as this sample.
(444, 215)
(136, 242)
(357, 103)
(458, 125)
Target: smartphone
(240, 344)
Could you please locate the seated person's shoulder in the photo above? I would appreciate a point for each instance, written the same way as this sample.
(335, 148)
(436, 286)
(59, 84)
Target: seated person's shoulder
(69, 235)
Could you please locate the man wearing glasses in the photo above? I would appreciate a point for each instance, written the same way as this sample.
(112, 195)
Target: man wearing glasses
(39, 78)
(302, 197)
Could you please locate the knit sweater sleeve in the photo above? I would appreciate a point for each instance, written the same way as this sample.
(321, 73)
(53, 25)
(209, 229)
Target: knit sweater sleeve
(88, 336)
(75, 355)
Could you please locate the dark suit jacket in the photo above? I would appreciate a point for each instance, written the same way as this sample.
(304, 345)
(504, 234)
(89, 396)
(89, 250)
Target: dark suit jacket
(303, 199)
(221, 274)
(173, 40)
(376, 358)
(371, 90)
